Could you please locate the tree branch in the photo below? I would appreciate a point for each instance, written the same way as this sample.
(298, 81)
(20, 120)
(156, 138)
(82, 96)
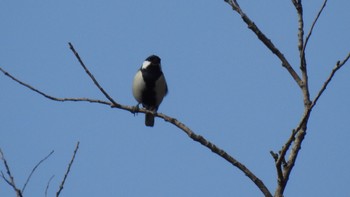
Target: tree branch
(313, 25)
(92, 77)
(200, 139)
(48, 185)
(35, 167)
(11, 180)
(268, 43)
(298, 135)
(337, 66)
(52, 97)
(303, 65)
(68, 170)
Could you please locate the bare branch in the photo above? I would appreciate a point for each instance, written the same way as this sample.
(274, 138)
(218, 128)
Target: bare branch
(313, 25)
(268, 43)
(5, 179)
(307, 112)
(298, 6)
(299, 133)
(68, 170)
(11, 180)
(283, 174)
(295, 2)
(338, 65)
(92, 77)
(48, 185)
(303, 65)
(35, 167)
(52, 97)
(200, 139)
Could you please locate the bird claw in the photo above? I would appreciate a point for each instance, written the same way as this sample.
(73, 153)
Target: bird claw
(135, 109)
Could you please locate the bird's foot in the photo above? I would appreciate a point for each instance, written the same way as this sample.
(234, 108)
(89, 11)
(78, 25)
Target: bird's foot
(135, 109)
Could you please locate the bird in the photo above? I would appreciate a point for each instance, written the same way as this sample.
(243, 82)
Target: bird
(149, 87)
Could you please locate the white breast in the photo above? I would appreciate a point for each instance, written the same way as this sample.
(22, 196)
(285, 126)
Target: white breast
(138, 86)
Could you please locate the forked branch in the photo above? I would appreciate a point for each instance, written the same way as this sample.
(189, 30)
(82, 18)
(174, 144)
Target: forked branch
(19, 192)
(298, 134)
(296, 138)
(10, 180)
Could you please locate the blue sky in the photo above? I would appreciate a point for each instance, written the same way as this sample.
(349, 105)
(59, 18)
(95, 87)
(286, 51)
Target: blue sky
(223, 83)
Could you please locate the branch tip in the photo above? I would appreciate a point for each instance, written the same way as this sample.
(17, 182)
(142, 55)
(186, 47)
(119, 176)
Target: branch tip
(68, 170)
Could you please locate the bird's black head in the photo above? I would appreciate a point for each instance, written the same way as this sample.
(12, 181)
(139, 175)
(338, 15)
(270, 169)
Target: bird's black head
(153, 59)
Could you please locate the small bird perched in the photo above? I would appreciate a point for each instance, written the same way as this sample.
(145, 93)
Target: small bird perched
(149, 86)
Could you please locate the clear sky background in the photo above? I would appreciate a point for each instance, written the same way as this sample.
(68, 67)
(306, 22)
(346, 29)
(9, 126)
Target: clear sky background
(223, 82)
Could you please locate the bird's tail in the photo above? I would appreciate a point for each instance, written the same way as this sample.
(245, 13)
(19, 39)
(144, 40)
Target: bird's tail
(149, 120)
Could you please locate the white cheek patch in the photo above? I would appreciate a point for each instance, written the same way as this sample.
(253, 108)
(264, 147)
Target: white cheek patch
(145, 64)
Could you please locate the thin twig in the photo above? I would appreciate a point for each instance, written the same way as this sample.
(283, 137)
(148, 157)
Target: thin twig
(36, 166)
(68, 170)
(5, 179)
(338, 65)
(91, 76)
(52, 97)
(313, 25)
(48, 185)
(11, 182)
